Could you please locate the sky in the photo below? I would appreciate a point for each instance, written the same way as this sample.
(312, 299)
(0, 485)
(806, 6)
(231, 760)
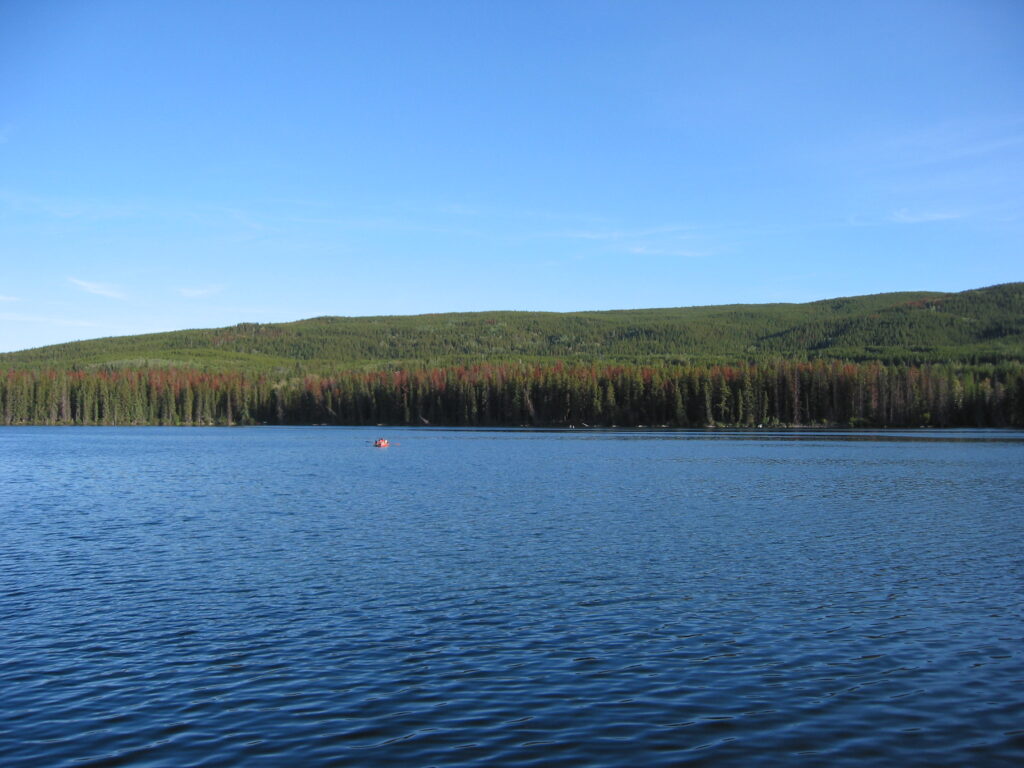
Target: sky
(188, 164)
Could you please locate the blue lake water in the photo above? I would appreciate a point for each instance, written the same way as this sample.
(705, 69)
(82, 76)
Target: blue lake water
(275, 596)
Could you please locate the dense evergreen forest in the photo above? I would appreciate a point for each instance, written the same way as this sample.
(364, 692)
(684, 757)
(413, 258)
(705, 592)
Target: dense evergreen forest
(919, 359)
(780, 393)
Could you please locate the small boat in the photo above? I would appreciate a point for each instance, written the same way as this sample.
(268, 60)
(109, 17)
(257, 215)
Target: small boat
(381, 442)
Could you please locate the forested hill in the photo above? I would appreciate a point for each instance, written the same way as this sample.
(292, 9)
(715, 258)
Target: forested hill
(983, 325)
(899, 359)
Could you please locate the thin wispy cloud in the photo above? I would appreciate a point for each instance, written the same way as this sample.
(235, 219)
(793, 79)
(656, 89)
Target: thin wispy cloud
(64, 208)
(643, 250)
(384, 224)
(17, 317)
(457, 209)
(9, 298)
(951, 142)
(905, 216)
(984, 147)
(621, 234)
(199, 292)
(244, 218)
(934, 147)
(99, 289)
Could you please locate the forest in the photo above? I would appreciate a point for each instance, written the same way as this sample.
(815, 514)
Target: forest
(900, 359)
(748, 395)
(984, 325)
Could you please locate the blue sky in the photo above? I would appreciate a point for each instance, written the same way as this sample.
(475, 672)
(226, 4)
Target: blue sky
(167, 165)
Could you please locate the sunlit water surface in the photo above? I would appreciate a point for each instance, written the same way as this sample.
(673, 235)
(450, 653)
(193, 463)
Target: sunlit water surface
(273, 596)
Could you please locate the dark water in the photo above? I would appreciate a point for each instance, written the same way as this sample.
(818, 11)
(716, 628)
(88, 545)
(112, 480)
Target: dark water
(271, 596)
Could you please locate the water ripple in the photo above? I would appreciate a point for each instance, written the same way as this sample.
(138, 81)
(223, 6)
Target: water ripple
(262, 597)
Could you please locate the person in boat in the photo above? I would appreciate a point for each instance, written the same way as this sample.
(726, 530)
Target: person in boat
(380, 442)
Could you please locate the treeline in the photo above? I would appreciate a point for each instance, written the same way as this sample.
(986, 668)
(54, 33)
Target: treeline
(771, 394)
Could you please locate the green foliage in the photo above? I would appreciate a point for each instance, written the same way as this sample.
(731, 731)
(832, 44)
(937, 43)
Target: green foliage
(985, 325)
(911, 359)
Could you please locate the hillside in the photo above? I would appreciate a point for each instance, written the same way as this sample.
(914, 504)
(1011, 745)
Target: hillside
(984, 325)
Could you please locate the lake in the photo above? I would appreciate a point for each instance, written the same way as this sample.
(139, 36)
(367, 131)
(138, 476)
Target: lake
(269, 596)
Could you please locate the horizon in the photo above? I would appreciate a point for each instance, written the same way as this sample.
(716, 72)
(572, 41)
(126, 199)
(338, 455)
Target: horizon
(191, 166)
